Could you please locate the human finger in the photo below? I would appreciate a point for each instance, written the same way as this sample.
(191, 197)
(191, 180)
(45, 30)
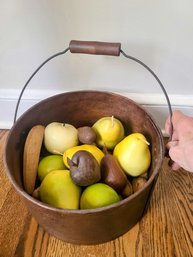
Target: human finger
(175, 166)
(171, 144)
(176, 153)
(176, 116)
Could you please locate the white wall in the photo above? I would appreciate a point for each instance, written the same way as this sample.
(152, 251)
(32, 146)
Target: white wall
(160, 33)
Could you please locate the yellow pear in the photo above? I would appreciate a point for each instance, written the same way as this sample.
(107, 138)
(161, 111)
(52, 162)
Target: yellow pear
(58, 190)
(133, 154)
(94, 150)
(109, 131)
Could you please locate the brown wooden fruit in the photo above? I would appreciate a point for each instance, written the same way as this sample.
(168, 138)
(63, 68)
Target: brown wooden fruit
(36, 193)
(111, 172)
(127, 190)
(138, 183)
(84, 168)
(86, 135)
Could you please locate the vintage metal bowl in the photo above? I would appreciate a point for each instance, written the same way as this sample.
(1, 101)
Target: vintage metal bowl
(84, 108)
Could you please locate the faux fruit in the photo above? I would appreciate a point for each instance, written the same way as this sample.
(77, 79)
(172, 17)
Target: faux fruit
(112, 173)
(94, 150)
(102, 175)
(84, 168)
(49, 163)
(31, 155)
(36, 193)
(58, 190)
(138, 183)
(60, 136)
(86, 135)
(98, 195)
(133, 154)
(127, 190)
(109, 132)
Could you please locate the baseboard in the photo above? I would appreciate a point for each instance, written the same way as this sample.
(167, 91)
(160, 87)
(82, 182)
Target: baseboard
(155, 104)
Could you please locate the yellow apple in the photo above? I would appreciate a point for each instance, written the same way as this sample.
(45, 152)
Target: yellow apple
(60, 136)
(133, 154)
(109, 131)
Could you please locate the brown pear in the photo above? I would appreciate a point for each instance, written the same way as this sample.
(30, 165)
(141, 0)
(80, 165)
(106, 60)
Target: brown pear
(111, 172)
(84, 168)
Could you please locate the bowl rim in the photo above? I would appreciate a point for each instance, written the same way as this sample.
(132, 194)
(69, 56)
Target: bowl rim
(120, 203)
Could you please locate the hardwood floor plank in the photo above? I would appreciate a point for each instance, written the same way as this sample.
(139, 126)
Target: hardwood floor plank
(155, 228)
(5, 185)
(181, 213)
(12, 219)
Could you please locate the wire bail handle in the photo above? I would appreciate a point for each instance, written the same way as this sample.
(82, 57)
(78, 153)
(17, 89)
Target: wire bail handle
(98, 48)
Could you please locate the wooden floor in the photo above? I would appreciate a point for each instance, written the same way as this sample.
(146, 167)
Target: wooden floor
(166, 229)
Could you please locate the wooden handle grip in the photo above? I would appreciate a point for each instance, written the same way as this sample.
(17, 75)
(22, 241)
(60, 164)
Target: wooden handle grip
(94, 47)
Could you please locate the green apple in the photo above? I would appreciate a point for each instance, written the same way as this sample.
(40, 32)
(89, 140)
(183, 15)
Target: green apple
(109, 131)
(49, 163)
(133, 154)
(58, 190)
(98, 195)
(60, 136)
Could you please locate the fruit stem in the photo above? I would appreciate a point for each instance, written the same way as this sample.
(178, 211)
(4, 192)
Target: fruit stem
(57, 152)
(145, 141)
(70, 162)
(112, 120)
(105, 151)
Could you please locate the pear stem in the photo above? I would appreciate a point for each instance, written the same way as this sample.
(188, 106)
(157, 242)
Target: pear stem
(145, 141)
(112, 120)
(105, 151)
(70, 162)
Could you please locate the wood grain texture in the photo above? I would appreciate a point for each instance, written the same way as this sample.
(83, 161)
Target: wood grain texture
(164, 231)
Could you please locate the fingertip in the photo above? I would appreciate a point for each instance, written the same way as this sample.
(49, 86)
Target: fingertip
(175, 166)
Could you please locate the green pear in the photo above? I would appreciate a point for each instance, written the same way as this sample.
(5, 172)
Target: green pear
(49, 163)
(58, 190)
(133, 154)
(109, 131)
